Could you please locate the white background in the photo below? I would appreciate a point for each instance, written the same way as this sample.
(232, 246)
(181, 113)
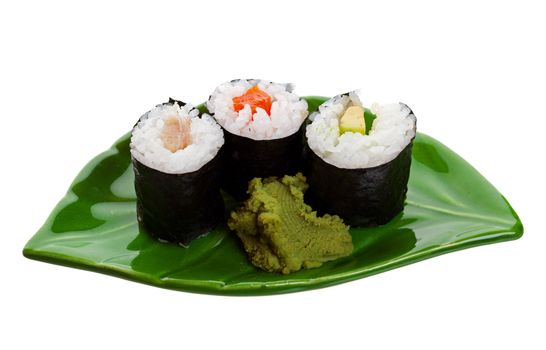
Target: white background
(74, 77)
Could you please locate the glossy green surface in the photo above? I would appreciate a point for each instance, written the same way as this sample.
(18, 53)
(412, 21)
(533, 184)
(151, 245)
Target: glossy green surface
(450, 206)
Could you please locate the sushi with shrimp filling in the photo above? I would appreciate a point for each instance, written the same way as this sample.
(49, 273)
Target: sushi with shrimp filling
(175, 156)
(262, 122)
(357, 160)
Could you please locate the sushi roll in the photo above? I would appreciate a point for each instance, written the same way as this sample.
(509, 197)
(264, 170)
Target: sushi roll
(263, 130)
(357, 160)
(175, 155)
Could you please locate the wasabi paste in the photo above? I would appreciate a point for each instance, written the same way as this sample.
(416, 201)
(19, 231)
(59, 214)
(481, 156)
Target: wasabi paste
(281, 233)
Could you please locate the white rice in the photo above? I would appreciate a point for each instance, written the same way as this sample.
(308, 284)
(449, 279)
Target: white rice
(391, 132)
(147, 146)
(288, 111)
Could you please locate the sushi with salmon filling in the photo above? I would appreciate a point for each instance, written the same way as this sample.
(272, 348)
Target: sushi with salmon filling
(357, 160)
(262, 123)
(175, 155)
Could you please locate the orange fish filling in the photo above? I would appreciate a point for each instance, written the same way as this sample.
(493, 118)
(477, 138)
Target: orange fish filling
(255, 98)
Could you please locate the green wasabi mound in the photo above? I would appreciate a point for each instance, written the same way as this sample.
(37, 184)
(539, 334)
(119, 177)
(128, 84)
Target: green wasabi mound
(281, 233)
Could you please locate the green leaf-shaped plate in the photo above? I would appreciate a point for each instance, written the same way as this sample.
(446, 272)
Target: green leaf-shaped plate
(450, 206)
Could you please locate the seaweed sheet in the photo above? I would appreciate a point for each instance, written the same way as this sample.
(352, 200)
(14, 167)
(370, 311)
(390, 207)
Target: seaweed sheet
(361, 197)
(178, 207)
(245, 159)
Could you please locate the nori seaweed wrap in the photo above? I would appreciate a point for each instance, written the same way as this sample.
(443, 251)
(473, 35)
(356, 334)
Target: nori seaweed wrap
(176, 161)
(359, 172)
(245, 159)
(362, 197)
(178, 207)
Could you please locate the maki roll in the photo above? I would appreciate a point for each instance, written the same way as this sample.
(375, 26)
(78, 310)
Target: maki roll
(175, 156)
(262, 122)
(357, 160)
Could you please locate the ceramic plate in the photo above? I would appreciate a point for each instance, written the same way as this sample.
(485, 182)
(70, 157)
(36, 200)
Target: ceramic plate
(449, 207)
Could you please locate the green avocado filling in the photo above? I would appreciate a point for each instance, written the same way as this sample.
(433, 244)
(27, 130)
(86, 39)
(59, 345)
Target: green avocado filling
(353, 121)
(281, 233)
(356, 119)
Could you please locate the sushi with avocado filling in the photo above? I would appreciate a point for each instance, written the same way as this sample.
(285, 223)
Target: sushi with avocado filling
(175, 155)
(357, 160)
(262, 121)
